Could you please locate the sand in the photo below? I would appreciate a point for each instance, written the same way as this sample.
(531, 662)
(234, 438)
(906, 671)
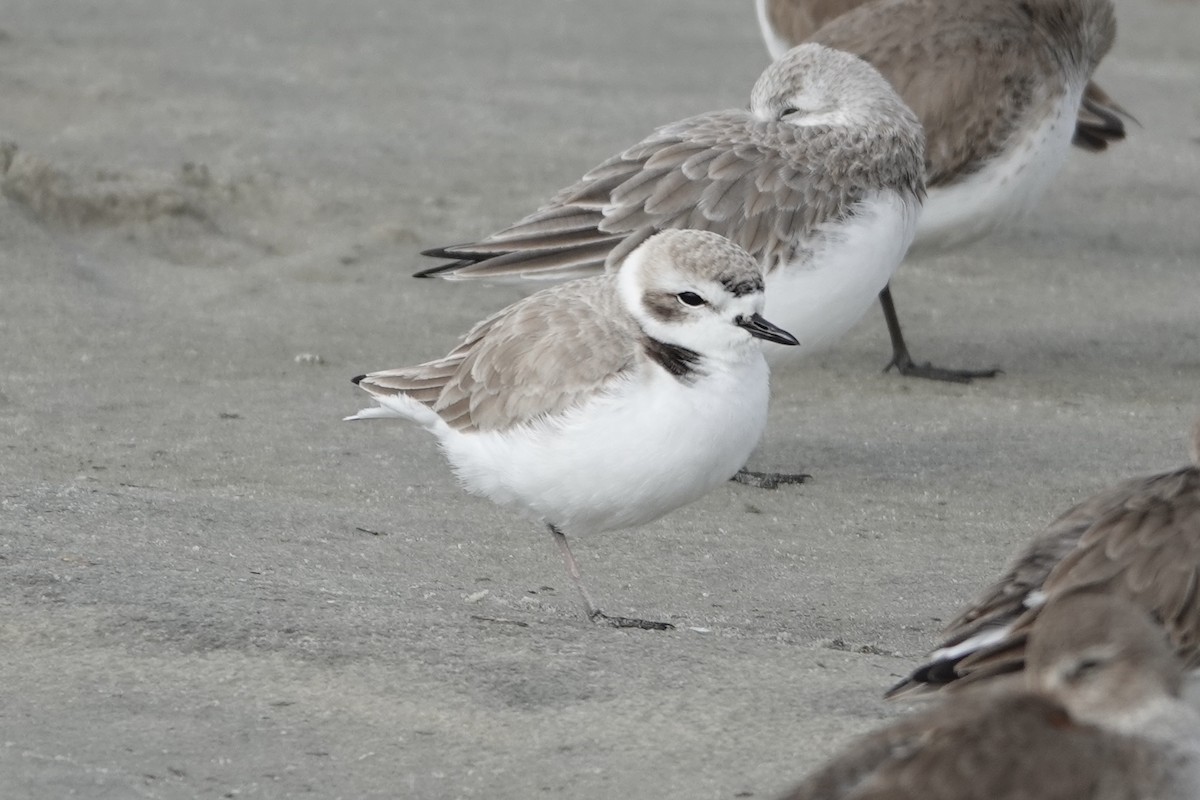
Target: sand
(212, 587)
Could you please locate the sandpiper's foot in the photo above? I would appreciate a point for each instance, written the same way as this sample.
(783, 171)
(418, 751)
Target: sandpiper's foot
(629, 622)
(769, 480)
(906, 366)
(902, 360)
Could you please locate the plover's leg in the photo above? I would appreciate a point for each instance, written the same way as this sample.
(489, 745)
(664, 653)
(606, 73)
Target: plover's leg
(594, 613)
(769, 480)
(902, 360)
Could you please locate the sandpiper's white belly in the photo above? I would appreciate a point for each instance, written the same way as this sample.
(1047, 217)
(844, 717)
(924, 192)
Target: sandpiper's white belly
(627, 457)
(821, 296)
(1004, 187)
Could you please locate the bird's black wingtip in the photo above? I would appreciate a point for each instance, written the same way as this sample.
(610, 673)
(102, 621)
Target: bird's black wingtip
(441, 269)
(355, 380)
(432, 272)
(454, 253)
(925, 678)
(899, 688)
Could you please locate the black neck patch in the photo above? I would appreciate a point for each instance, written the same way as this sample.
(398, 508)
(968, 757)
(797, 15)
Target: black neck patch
(682, 363)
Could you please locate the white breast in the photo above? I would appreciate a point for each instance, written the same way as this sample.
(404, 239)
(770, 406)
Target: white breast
(820, 295)
(631, 455)
(1004, 188)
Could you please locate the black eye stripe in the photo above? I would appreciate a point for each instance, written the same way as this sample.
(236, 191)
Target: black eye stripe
(690, 299)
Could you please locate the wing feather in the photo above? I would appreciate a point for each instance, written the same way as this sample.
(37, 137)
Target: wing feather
(1139, 539)
(703, 173)
(970, 78)
(983, 747)
(537, 358)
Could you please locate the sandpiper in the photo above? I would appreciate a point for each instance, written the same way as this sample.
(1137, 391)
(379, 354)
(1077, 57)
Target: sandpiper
(1099, 715)
(605, 402)
(1139, 539)
(1002, 88)
(820, 180)
(787, 23)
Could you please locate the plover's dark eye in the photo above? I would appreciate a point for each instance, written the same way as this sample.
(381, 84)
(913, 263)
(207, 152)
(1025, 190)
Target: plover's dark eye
(690, 299)
(787, 112)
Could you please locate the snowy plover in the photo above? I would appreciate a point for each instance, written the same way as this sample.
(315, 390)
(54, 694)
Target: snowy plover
(1002, 89)
(1139, 539)
(605, 402)
(1099, 715)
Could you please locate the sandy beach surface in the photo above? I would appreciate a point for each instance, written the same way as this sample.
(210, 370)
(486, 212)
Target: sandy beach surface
(210, 586)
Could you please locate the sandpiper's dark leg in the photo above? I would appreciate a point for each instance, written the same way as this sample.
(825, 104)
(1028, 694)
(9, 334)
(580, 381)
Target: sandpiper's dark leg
(902, 360)
(594, 613)
(769, 480)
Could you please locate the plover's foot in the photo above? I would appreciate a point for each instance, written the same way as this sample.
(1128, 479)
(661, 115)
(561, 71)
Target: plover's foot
(909, 368)
(629, 622)
(769, 480)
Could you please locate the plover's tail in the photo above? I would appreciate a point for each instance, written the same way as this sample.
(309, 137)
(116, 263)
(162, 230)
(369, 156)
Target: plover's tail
(395, 402)
(375, 412)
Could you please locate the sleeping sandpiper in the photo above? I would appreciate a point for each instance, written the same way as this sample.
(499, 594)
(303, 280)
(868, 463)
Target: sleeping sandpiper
(1002, 88)
(820, 180)
(1139, 539)
(1099, 714)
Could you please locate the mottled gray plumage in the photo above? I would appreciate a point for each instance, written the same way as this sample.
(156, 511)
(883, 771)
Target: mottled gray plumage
(526, 361)
(996, 84)
(1139, 539)
(794, 21)
(984, 748)
(748, 174)
(1099, 718)
(973, 71)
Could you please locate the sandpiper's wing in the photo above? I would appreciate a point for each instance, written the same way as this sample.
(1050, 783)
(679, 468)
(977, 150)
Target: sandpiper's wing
(1098, 715)
(1008, 747)
(969, 72)
(1007, 598)
(536, 358)
(1139, 539)
(765, 185)
(787, 23)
